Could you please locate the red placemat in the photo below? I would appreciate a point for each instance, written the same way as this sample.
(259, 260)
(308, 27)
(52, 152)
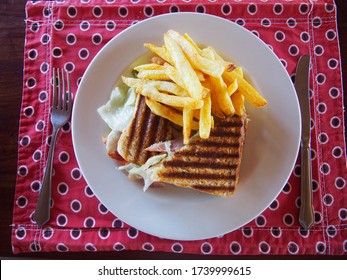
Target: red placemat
(70, 33)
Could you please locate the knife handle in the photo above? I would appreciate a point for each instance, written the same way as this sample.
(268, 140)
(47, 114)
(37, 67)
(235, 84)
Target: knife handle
(306, 217)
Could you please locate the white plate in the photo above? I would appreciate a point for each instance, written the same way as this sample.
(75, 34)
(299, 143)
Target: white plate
(269, 154)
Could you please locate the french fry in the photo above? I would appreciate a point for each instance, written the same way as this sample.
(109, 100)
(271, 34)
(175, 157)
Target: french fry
(200, 75)
(210, 67)
(221, 95)
(163, 86)
(232, 87)
(160, 51)
(245, 88)
(171, 100)
(208, 53)
(168, 113)
(205, 118)
(131, 82)
(239, 103)
(238, 70)
(184, 69)
(148, 66)
(211, 52)
(190, 40)
(216, 110)
(187, 124)
(196, 112)
(168, 87)
(154, 74)
(190, 85)
(173, 74)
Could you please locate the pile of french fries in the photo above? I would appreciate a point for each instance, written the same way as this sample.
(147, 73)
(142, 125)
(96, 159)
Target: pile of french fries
(189, 85)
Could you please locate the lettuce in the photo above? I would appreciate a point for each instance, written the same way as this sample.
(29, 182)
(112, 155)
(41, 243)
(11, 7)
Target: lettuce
(144, 171)
(119, 109)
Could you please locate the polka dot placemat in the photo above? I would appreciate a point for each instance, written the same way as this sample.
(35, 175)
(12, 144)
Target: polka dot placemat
(69, 33)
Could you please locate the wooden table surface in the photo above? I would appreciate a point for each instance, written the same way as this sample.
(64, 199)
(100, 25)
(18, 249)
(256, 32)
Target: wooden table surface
(12, 27)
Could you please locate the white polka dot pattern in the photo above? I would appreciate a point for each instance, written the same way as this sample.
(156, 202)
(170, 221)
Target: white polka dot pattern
(70, 33)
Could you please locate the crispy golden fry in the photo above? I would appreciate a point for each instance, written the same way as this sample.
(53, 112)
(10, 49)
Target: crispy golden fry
(170, 87)
(160, 51)
(173, 74)
(171, 100)
(184, 69)
(163, 86)
(205, 118)
(148, 66)
(211, 52)
(221, 96)
(190, 40)
(131, 82)
(210, 67)
(248, 91)
(233, 87)
(168, 113)
(190, 85)
(212, 121)
(216, 110)
(196, 112)
(187, 124)
(208, 53)
(239, 103)
(155, 74)
(239, 71)
(200, 75)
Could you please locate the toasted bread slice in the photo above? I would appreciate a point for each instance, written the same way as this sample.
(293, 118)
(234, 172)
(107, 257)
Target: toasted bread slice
(208, 165)
(144, 130)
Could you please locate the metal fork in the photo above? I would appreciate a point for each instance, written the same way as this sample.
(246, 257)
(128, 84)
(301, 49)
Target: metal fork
(61, 112)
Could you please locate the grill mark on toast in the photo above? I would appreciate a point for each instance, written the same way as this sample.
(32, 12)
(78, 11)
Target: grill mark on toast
(143, 131)
(153, 133)
(209, 154)
(225, 133)
(134, 121)
(233, 123)
(147, 135)
(215, 189)
(199, 164)
(209, 165)
(198, 176)
(140, 119)
(229, 143)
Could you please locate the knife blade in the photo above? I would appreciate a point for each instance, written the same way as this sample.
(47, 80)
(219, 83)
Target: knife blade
(306, 216)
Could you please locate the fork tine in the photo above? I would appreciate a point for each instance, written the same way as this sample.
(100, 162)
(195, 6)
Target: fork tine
(54, 103)
(62, 90)
(68, 101)
(59, 89)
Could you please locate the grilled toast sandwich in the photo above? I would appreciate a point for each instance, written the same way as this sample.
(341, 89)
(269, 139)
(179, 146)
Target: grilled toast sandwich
(144, 130)
(208, 165)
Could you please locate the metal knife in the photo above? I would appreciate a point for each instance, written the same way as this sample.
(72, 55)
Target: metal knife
(306, 217)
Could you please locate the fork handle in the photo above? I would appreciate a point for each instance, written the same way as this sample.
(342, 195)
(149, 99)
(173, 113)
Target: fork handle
(42, 211)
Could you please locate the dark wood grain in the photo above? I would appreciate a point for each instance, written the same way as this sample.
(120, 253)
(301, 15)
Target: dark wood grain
(12, 26)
